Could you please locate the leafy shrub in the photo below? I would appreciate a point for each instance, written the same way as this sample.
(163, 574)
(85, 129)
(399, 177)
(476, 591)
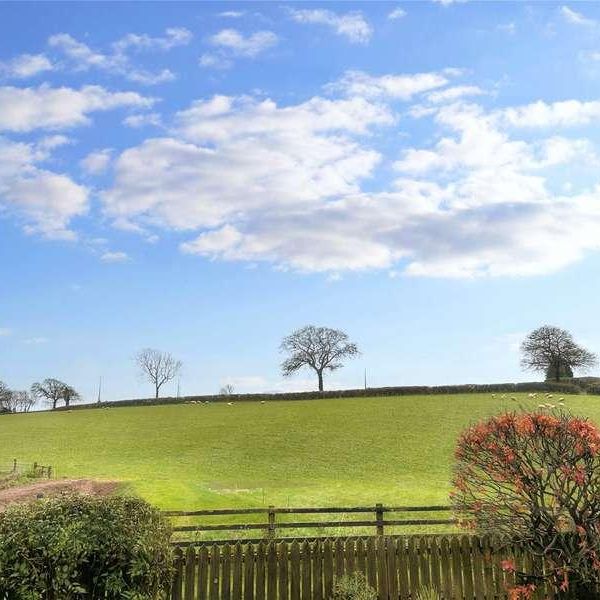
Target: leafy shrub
(534, 479)
(77, 547)
(353, 587)
(428, 593)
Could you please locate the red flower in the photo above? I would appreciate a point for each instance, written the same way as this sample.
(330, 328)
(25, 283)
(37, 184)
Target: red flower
(508, 565)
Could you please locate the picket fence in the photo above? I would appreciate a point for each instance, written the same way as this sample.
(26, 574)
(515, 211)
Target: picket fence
(459, 567)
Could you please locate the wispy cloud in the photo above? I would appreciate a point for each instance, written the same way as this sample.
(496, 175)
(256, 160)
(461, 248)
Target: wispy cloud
(25, 66)
(114, 257)
(353, 25)
(397, 13)
(82, 57)
(96, 162)
(231, 44)
(576, 18)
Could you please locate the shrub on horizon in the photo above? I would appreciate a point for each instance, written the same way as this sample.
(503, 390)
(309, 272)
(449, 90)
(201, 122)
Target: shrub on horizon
(76, 547)
(534, 479)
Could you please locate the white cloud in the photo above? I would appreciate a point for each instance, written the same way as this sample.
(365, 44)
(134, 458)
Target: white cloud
(255, 181)
(5, 331)
(454, 93)
(250, 155)
(231, 44)
(48, 202)
(82, 58)
(96, 162)
(26, 65)
(397, 13)
(45, 107)
(231, 14)
(352, 25)
(143, 120)
(174, 36)
(566, 113)
(215, 61)
(44, 202)
(449, 2)
(241, 45)
(575, 18)
(402, 87)
(114, 257)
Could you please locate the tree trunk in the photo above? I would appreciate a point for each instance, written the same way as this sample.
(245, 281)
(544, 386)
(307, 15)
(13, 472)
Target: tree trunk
(157, 390)
(67, 401)
(320, 374)
(54, 403)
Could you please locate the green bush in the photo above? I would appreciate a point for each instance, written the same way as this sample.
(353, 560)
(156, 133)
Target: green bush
(77, 547)
(353, 587)
(428, 593)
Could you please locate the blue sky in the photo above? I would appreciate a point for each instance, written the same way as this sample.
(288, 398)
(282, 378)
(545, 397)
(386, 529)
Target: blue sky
(203, 178)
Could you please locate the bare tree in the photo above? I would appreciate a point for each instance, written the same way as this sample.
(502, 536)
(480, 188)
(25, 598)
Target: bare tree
(553, 351)
(157, 367)
(22, 401)
(227, 390)
(5, 397)
(53, 390)
(319, 348)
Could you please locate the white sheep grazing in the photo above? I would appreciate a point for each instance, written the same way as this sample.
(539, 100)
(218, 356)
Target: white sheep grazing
(230, 404)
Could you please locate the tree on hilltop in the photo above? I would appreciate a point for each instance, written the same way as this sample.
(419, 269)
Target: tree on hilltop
(157, 367)
(53, 390)
(553, 351)
(318, 348)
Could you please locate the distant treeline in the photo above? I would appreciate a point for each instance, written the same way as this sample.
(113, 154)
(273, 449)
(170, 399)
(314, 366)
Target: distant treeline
(590, 385)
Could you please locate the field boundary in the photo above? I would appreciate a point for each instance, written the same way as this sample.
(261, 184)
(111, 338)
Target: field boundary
(459, 567)
(272, 522)
(417, 390)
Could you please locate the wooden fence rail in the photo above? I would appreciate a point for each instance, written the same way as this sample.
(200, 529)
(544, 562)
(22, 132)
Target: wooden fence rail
(460, 568)
(15, 468)
(272, 522)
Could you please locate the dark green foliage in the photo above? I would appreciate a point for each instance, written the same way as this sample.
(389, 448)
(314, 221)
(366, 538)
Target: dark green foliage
(498, 388)
(81, 547)
(353, 587)
(564, 371)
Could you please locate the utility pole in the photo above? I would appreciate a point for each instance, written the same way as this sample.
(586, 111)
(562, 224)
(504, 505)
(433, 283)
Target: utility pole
(100, 390)
(365, 379)
(178, 386)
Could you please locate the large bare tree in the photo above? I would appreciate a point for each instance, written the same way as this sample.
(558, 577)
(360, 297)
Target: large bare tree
(553, 351)
(53, 391)
(319, 348)
(157, 367)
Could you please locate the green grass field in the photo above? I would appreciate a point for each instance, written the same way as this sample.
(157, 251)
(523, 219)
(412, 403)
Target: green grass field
(326, 452)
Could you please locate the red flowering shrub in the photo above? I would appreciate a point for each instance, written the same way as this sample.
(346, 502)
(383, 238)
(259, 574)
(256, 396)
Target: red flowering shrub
(534, 478)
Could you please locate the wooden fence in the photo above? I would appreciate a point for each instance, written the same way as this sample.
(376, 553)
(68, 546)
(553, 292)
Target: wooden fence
(19, 468)
(271, 522)
(460, 568)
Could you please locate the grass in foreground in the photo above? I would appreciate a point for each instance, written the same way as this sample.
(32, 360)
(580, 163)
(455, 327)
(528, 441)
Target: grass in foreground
(394, 450)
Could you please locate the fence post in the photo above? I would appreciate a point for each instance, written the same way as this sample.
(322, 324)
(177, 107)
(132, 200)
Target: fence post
(14, 465)
(271, 527)
(35, 468)
(379, 518)
(49, 472)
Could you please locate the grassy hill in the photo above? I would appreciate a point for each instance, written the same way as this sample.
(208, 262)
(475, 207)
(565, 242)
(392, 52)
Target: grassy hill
(328, 452)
